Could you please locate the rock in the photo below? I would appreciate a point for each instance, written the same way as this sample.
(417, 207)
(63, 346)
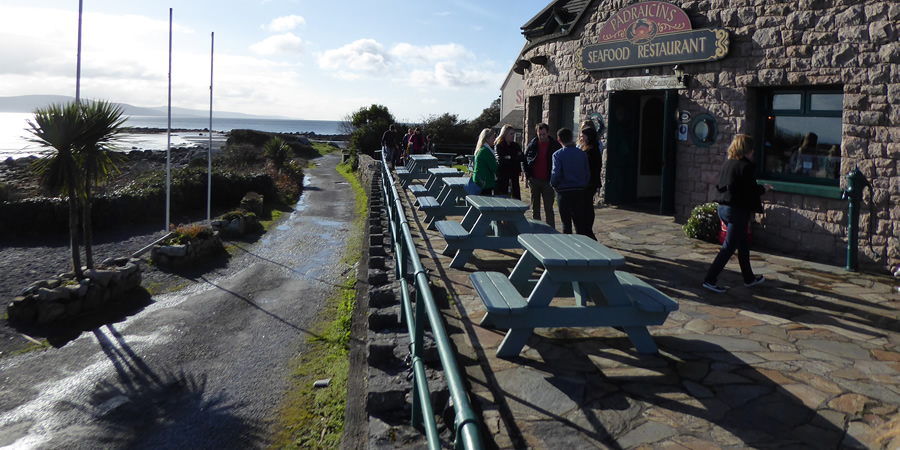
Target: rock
(173, 250)
(48, 312)
(51, 295)
(103, 277)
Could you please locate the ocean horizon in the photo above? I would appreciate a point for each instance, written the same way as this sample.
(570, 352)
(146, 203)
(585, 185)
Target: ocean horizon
(14, 142)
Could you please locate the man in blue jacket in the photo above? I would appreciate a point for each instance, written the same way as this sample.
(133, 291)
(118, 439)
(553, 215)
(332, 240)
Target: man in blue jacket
(569, 176)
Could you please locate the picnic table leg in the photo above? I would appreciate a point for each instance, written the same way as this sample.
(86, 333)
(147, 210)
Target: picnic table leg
(521, 274)
(513, 343)
(462, 256)
(641, 339)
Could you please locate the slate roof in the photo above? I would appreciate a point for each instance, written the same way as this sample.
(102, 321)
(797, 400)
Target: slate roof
(556, 20)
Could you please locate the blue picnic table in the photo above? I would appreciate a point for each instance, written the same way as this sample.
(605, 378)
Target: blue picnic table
(574, 266)
(491, 223)
(433, 184)
(453, 190)
(416, 169)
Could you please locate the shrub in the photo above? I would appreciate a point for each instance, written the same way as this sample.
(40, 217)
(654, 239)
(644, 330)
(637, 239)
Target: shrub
(187, 233)
(703, 223)
(277, 150)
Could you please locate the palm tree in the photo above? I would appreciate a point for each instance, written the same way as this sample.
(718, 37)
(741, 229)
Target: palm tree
(59, 129)
(102, 123)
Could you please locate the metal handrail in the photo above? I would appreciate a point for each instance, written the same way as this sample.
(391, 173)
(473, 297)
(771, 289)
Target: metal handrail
(466, 432)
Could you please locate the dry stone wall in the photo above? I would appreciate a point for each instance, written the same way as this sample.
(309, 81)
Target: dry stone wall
(773, 43)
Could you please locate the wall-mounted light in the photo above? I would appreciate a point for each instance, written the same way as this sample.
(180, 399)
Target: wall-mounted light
(539, 60)
(679, 73)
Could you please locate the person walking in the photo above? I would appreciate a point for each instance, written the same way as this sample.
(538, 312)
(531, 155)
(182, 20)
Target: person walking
(538, 163)
(510, 159)
(569, 176)
(593, 148)
(739, 200)
(417, 142)
(485, 171)
(389, 145)
(404, 145)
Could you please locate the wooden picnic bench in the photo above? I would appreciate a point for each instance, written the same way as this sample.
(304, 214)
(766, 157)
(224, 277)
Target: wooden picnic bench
(416, 169)
(574, 266)
(481, 227)
(433, 184)
(446, 203)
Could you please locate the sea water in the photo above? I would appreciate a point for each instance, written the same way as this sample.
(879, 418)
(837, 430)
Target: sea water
(14, 135)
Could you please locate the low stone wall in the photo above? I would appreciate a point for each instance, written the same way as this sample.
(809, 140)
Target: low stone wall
(389, 387)
(64, 298)
(180, 255)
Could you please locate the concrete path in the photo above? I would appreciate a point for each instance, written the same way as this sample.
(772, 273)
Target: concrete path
(808, 359)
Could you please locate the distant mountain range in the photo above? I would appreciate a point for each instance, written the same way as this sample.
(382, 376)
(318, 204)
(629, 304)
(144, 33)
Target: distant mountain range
(28, 103)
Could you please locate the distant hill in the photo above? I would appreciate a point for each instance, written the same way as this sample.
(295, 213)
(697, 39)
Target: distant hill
(28, 103)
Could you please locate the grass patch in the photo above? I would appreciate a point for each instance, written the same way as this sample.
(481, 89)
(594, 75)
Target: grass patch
(276, 214)
(462, 168)
(313, 418)
(324, 148)
(31, 347)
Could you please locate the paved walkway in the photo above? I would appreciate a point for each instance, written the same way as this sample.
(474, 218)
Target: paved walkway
(808, 359)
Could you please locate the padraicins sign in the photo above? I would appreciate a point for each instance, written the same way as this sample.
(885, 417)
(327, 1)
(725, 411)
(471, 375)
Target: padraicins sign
(651, 34)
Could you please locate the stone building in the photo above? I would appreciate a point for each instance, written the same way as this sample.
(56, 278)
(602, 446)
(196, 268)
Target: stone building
(815, 82)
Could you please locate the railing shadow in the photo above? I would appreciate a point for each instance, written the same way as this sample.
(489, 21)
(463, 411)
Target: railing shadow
(688, 380)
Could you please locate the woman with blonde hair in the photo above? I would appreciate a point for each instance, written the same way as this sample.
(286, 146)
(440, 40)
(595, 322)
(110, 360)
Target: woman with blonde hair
(739, 200)
(509, 159)
(484, 173)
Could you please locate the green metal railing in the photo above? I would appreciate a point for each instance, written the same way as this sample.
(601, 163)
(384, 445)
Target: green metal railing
(466, 424)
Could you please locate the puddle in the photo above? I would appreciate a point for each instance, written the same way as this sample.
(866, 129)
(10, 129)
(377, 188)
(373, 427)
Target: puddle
(327, 223)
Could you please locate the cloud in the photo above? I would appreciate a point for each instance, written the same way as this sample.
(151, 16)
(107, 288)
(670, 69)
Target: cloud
(361, 56)
(447, 74)
(282, 43)
(430, 54)
(285, 23)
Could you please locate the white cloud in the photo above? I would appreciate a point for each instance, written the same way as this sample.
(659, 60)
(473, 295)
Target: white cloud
(447, 74)
(364, 55)
(282, 43)
(285, 23)
(430, 54)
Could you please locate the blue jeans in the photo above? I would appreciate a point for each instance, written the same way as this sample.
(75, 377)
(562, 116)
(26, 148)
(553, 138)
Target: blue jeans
(737, 220)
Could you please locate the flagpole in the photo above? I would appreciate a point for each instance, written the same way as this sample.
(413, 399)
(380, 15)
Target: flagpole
(78, 64)
(212, 44)
(169, 133)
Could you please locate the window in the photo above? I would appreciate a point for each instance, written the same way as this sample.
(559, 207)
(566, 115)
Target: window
(802, 136)
(565, 111)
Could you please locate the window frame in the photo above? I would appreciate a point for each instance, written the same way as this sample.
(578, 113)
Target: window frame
(823, 187)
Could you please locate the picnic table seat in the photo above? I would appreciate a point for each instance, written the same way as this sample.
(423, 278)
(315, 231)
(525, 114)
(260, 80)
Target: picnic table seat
(429, 205)
(417, 189)
(498, 294)
(643, 296)
(451, 230)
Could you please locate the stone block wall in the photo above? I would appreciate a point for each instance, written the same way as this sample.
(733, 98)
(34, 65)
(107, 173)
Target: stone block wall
(773, 43)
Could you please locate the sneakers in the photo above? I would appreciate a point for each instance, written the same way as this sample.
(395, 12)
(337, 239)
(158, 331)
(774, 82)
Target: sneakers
(759, 279)
(713, 287)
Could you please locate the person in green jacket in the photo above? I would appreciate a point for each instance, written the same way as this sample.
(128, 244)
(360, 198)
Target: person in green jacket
(485, 172)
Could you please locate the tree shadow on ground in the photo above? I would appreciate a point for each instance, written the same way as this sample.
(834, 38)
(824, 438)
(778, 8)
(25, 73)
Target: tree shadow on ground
(145, 408)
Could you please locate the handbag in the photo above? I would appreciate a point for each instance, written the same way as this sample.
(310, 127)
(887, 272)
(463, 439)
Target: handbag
(472, 188)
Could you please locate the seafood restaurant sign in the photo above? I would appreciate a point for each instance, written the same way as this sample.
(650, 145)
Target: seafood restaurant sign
(651, 34)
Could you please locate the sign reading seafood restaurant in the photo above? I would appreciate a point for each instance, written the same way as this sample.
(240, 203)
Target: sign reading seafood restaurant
(651, 34)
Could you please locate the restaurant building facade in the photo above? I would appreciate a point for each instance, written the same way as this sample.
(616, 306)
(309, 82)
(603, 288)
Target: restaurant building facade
(815, 82)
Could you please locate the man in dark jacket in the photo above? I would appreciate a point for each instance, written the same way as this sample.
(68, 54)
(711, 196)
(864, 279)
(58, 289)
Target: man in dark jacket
(569, 177)
(538, 164)
(389, 145)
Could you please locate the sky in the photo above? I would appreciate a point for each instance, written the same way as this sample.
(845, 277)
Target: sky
(300, 59)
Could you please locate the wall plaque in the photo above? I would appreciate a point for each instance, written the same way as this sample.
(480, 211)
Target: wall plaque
(651, 34)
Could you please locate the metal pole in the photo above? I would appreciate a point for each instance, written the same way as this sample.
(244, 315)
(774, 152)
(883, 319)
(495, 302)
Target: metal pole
(169, 133)
(78, 64)
(212, 43)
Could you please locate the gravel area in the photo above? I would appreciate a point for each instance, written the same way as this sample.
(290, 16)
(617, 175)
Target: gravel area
(24, 260)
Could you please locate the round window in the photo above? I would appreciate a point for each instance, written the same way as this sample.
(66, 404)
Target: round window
(704, 130)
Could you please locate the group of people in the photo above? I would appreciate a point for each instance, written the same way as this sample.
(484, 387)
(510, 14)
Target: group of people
(398, 150)
(562, 170)
(568, 170)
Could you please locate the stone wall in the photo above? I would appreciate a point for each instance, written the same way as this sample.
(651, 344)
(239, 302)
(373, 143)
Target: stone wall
(774, 44)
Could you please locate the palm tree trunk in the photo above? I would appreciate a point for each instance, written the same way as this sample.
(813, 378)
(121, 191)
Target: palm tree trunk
(73, 236)
(86, 224)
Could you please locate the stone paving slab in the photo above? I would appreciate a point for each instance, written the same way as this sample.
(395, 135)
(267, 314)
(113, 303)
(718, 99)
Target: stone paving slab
(808, 359)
